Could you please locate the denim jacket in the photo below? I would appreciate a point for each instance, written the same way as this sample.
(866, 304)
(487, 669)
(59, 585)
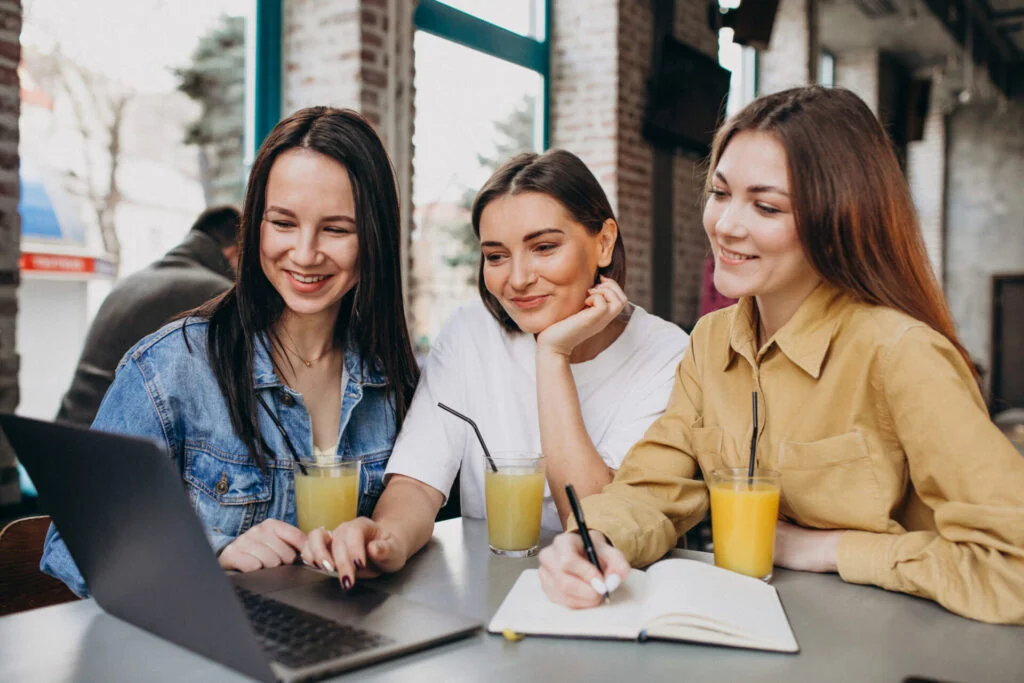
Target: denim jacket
(166, 391)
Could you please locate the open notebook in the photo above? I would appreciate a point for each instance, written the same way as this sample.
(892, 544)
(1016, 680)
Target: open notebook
(673, 600)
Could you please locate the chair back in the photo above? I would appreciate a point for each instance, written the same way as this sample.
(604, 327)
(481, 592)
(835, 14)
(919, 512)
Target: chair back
(22, 585)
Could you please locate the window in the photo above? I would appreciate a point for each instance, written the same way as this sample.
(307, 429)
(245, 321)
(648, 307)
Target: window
(827, 69)
(742, 62)
(132, 122)
(480, 99)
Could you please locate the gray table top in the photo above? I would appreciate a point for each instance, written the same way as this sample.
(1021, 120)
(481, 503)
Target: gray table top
(846, 633)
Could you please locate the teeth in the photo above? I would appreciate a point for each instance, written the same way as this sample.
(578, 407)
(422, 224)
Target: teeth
(734, 256)
(310, 279)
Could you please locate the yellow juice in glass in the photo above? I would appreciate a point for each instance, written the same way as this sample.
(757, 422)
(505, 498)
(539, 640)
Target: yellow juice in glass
(743, 516)
(515, 498)
(327, 495)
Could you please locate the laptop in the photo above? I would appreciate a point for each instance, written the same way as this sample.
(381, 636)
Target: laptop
(121, 508)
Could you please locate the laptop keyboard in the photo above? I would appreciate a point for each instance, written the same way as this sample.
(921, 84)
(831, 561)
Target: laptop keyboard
(297, 638)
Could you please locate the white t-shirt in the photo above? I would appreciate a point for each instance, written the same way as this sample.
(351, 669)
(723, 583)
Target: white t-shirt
(489, 375)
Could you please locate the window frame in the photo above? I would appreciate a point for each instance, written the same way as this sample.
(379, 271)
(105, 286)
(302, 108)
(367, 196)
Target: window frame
(446, 22)
(266, 92)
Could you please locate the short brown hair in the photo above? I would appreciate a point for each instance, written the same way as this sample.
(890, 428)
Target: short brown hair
(564, 177)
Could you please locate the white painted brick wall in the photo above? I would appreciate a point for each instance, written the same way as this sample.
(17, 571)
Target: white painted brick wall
(857, 70)
(321, 54)
(926, 172)
(784, 64)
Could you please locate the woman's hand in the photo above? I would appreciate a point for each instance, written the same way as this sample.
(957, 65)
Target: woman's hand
(604, 302)
(357, 549)
(569, 579)
(807, 550)
(270, 543)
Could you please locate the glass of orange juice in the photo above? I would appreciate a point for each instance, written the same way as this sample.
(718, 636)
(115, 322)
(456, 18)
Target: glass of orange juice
(515, 497)
(744, 510)
(327, 494)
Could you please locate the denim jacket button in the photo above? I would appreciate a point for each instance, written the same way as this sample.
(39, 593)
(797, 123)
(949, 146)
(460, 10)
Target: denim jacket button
(222, 486)
(287, 399)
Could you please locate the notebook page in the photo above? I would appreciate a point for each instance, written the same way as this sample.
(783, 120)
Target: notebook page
(526, 609)
(701, 596)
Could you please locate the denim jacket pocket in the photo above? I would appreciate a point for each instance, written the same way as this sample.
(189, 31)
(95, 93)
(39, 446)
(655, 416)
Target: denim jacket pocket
(371, 483)
(229, 492)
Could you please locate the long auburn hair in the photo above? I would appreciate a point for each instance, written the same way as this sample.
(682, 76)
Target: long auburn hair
(372, 315)
(854, 214)
(564, 177)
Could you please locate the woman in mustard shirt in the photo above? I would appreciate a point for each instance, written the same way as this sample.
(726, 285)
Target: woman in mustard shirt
(892, 472)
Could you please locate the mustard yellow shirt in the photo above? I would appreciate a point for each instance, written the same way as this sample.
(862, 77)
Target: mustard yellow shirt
(876, 425)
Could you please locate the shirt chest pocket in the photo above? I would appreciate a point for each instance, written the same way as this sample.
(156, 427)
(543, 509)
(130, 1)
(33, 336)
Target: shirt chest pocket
(714, 450)
(229, 492)
(832, 483)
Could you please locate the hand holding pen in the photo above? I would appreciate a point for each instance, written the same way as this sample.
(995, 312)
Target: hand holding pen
(569, 577)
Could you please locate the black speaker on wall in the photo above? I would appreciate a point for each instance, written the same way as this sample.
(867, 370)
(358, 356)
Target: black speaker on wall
(751, 22)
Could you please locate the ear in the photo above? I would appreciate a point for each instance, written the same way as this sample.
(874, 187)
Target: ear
(606, 242)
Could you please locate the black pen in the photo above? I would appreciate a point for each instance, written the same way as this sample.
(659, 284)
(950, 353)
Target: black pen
(588, 545)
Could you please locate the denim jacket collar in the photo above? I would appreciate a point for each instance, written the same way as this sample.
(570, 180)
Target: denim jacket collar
(264, 376)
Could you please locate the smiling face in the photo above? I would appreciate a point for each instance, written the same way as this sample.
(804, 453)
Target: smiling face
(309, 248)
(538, 262)
(750, 224)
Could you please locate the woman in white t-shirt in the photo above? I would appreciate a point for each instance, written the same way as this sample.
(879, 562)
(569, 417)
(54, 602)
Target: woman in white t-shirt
(554, 359)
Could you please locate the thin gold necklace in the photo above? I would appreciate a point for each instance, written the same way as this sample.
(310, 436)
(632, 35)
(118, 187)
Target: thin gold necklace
(307, 363)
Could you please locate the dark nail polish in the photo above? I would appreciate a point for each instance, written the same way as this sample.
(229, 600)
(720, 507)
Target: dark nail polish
(358, 564)
(346, 583)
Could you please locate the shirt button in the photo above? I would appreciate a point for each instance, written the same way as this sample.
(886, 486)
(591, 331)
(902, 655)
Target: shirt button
(222, 486)
(287, 399)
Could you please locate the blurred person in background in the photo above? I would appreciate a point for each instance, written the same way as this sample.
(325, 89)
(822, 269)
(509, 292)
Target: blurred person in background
(190, 274)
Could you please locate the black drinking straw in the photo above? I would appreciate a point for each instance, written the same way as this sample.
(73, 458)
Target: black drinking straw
(487, 453)
(753, 442)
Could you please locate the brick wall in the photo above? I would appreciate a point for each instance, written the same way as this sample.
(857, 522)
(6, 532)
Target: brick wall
(321, 53)
(635, 158)
(10, 232)
(984, 204)
(354, 54)
(690, 243)
(584, 86)
(857, 70)
(600, 119)
(785, 63)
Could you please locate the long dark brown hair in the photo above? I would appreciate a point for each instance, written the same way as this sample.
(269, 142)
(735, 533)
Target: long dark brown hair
(854, 214)
(564, 177)
(372, 315)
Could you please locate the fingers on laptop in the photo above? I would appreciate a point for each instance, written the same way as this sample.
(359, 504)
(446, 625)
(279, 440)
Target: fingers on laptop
(287, 533)
(317, 550)
(235, 558)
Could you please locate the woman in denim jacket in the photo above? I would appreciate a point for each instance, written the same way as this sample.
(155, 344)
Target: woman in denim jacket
(307, 354)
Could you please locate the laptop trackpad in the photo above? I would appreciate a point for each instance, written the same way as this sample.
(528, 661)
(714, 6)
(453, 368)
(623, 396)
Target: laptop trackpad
(362, 606)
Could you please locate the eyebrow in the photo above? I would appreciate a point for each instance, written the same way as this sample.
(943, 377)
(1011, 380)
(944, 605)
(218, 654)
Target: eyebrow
(755, 189)
(325, 219)
(527, 238)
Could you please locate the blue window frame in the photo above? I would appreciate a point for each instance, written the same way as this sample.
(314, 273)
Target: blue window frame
(431, 16)
(267, 67)
(444, 21)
